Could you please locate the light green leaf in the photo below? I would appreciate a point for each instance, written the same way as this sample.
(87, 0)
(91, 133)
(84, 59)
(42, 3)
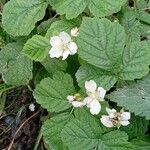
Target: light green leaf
(52, 93)
(52, 65)
(103, 78)
(135, 61)
(135, 98)
(36, 48)
(19, 16)
(78, 134)
(52, 128)
(16, 69)
(101, 42)
(61, 25)
(142, 143)
(137, 127)
(99, 8)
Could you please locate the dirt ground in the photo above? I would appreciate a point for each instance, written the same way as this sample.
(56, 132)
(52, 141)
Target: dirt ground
(19, 127)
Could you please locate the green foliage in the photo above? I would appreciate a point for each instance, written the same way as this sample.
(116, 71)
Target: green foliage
(53, 65)
(103, 78)
(24, 14)
(62, 25)
(137, 127)
(107, 41)
(85, 133)
(36, 48)
(16, 69)
(112, 38)
(52, 128)
(142, 143)
(135, 98)
(52, 93)
(97, 7)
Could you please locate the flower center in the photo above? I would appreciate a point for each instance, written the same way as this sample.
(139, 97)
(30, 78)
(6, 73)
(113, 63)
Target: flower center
(116, 119)
(78, 97)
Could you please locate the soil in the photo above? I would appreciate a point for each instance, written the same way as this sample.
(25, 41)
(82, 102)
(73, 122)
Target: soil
(15, 114)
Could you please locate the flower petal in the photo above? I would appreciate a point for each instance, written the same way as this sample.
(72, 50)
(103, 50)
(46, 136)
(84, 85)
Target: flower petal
(125, 116)
(75, 32)
(65, 54)
(70, 98)
(105, 120)
(90, 86)
(110, 111)
(72, 47)
(87, 101)
(55, 41)
(102, 92)
(55, 52)
(124, 123)
(95, 107)
(77, 104)
(65, 37)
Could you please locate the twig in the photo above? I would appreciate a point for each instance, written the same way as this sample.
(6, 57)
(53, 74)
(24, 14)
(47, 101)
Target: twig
(38, 141)
(11, 144)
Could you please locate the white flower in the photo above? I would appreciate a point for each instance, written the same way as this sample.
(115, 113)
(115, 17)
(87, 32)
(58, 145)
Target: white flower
(75, 32)
(115, 119)
(62, 45)
(95, 95)
(76, 100)
(32, 107)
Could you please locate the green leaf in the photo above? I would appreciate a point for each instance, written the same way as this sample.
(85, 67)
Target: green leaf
(71, 8)
(99, 8)
(142, 143)
(103, 78)
(78, 134)
(83, 114)
(131, 24)
(39, 73)
(44, 26)
(61, 25)
(19, 16)
(142, 4)
(135, 98)
(52, 128)
(36, 48)
(101, 42)
(52, 65)
(135, 61)
(143, 16)
(137, 127)
(16, 69)
(52, 93)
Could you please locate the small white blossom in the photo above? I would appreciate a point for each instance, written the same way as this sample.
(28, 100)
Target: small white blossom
(62, 46)
(75, 32)
(115, 119)
(76, 100)
(32, 107)
(95, 95)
